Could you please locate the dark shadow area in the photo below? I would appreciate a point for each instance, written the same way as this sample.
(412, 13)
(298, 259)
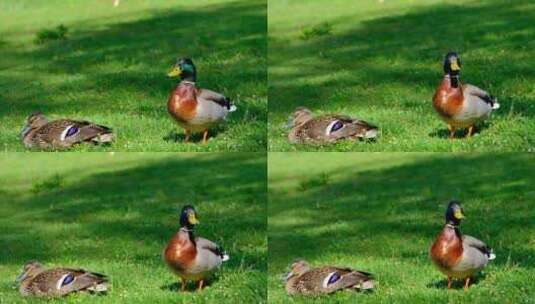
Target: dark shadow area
(459, 133)
(397, 211)
(418, 38)
(190, 287)
(141, 205)
(363, 58)
(122, 67)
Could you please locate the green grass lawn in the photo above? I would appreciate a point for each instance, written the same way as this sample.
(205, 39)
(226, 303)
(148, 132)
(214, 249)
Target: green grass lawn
(381, 213)
(112, 68)
(114, 213)
(382, 62)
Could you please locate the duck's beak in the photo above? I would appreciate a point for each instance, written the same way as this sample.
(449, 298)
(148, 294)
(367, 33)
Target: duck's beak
(175, 72)
(193, 219)
(287, 276)
(25, 131)
(458, 214)
(455, 65)
(290, 123)
(20, 278)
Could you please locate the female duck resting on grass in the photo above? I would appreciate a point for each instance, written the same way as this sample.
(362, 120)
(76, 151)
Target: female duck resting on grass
(327, 128)
(461, 106)
(37, 281)
(192, 258)
(63, 133)
(456, 255)
(193, 108)
(302, 279)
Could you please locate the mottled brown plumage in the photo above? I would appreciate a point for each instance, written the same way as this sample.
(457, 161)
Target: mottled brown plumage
(302, 279)
(62, 133)
(56, 282)
(327, 128)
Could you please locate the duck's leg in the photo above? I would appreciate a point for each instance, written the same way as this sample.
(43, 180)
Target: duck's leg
(201, 283)
(471, 130)
(452, 131)
(183, 283)
(188, 134)
(466, 283)
(449, 282)
(204, 136)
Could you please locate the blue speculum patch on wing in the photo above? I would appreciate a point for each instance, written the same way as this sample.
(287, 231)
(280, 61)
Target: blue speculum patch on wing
(337, 126)
(72, 130)
(334, 278)
(67, 280)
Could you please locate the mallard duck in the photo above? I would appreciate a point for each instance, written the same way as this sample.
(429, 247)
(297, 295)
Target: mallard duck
(302, 279)
(456, 255)
(193, 108)
(62, 133)
(192, 258)
(327, 128)
(56, 282)
(461, 106)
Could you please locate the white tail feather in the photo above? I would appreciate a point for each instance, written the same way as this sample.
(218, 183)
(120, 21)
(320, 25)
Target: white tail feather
(232, 108)
(225, 257)
(492, 256)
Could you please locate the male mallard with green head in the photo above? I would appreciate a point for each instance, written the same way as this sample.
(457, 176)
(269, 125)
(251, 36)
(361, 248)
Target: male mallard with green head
(193, 108)
(192, 258)
(456, 255)
(461, 105)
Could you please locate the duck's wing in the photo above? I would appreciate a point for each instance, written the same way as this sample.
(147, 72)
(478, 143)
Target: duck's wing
(66, 132)
(472, 92)
(472, 242)
(218, 98)
(331, 279)
(62, 281)
(212, 247)
(341, 126)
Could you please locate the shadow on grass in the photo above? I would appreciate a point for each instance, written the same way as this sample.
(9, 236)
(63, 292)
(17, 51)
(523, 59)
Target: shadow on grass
(140, 206)
(226, 41)
(398, 211)
(459, 133)
(417, 41)
(190, 287)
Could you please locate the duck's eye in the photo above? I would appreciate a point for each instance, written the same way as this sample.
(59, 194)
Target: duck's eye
(337, 126)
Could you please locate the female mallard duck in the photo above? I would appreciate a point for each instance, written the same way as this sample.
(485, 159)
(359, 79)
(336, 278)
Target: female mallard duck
(324, 280)
(461, 106)
(327, 128)
(62, 133)
(192, 258)
(56, 282)
(193, 108)
(456, 255)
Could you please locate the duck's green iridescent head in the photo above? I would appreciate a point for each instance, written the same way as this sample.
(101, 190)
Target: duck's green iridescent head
(185, 69)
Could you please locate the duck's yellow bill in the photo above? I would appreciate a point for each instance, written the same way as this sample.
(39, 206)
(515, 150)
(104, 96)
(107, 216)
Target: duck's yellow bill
(455, 66)
(458, 214)
(193, 219)
(176, 71)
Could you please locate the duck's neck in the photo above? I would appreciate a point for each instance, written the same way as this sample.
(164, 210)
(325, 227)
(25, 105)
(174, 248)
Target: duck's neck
(190, 232)
(189, 78)
(451, 227)
(452, 80)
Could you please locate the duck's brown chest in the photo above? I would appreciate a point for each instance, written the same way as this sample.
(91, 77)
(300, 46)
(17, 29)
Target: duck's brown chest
(448, 101)
(447, 249)
(180, 252)
(182, 103)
